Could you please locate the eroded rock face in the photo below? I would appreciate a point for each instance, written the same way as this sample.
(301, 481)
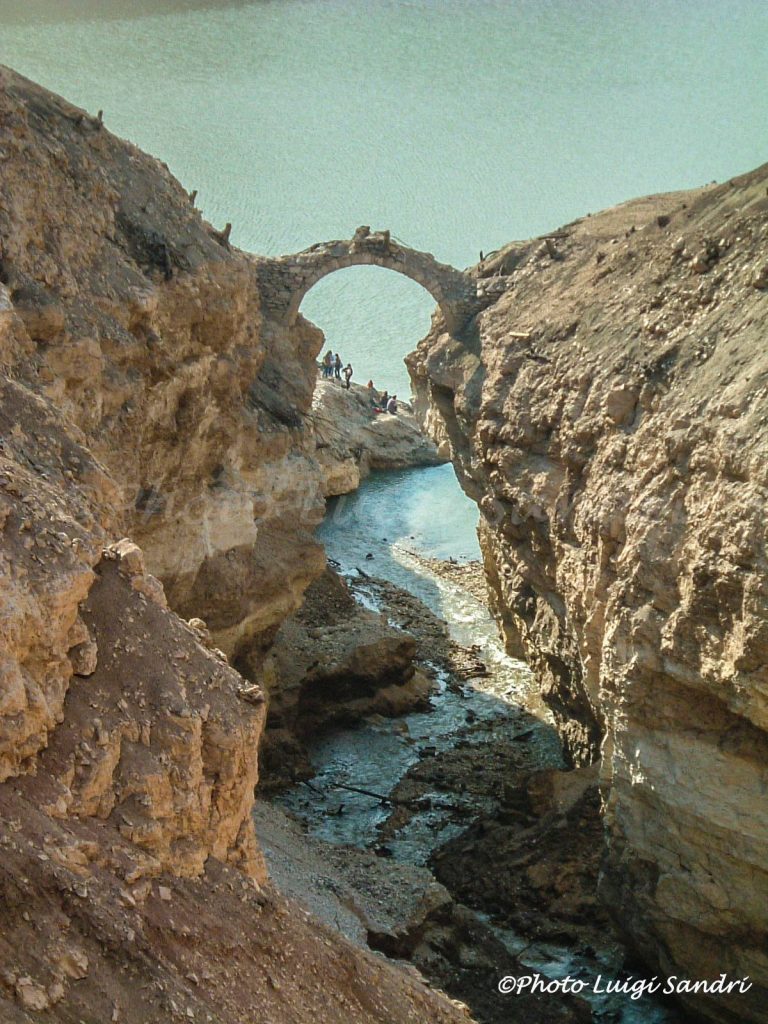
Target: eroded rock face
(56, 504)
(136, 319)
(108, 700)
(142, 399)
(139, 394)
(609, 416)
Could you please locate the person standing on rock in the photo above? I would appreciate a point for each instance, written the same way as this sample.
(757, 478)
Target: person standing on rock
(337, 366)
(347, 375)
(328, 363)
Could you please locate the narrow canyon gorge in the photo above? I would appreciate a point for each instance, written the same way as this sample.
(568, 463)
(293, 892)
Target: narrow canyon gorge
(166, 454)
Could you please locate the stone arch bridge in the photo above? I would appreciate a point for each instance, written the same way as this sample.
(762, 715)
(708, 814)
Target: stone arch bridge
(286, 280)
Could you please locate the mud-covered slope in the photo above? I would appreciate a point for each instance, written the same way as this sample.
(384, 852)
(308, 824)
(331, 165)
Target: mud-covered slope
(610, 415)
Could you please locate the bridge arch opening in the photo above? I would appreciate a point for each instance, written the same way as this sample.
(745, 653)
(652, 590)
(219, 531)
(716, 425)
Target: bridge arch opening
(418, 275)
(373, 319)
(286, 280)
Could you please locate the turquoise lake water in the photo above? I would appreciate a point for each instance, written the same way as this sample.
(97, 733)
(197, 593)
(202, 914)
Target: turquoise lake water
(458, 124)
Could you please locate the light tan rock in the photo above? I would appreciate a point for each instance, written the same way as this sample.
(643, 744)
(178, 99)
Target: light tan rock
(151, 588)
(613, 429)
(351, 439)
(49, 544)
(56, 992)
(73, 964)
(129, 556)
(31, 995)
(84, 658)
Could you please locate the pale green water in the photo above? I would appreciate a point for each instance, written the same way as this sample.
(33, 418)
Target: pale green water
(459, 124)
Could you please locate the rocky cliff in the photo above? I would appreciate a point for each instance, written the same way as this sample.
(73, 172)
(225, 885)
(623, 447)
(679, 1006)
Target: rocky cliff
(351, 439)
(610, 416)
(143, 327)
(141, 395)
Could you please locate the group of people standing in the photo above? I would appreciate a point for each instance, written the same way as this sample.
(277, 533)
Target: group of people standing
(332, 368)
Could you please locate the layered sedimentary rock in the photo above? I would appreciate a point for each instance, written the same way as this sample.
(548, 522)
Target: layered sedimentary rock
(141, 395)
(610, 416)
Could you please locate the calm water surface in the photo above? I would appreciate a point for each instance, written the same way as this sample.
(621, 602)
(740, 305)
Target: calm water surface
(459, 124)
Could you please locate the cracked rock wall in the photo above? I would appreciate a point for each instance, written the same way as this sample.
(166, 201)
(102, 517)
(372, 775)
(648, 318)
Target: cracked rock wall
(143, 396)
(609, 414)
(135, 318)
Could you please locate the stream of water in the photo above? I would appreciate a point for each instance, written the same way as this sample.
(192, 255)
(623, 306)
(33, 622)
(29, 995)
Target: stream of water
(458, 125)
(382, 529)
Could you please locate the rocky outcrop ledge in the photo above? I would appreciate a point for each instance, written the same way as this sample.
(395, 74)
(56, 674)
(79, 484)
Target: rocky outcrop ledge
(609, 414)
(333, 662)
(351, 439)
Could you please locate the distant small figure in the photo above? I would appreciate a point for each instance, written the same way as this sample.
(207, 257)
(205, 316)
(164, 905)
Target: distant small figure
(384, 399)
(392, 406)
(337, 366)
(348, 371)
(328, 364)
(369, 385)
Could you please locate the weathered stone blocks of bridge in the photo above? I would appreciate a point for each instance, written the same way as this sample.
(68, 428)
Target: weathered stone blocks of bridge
(286, 280)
